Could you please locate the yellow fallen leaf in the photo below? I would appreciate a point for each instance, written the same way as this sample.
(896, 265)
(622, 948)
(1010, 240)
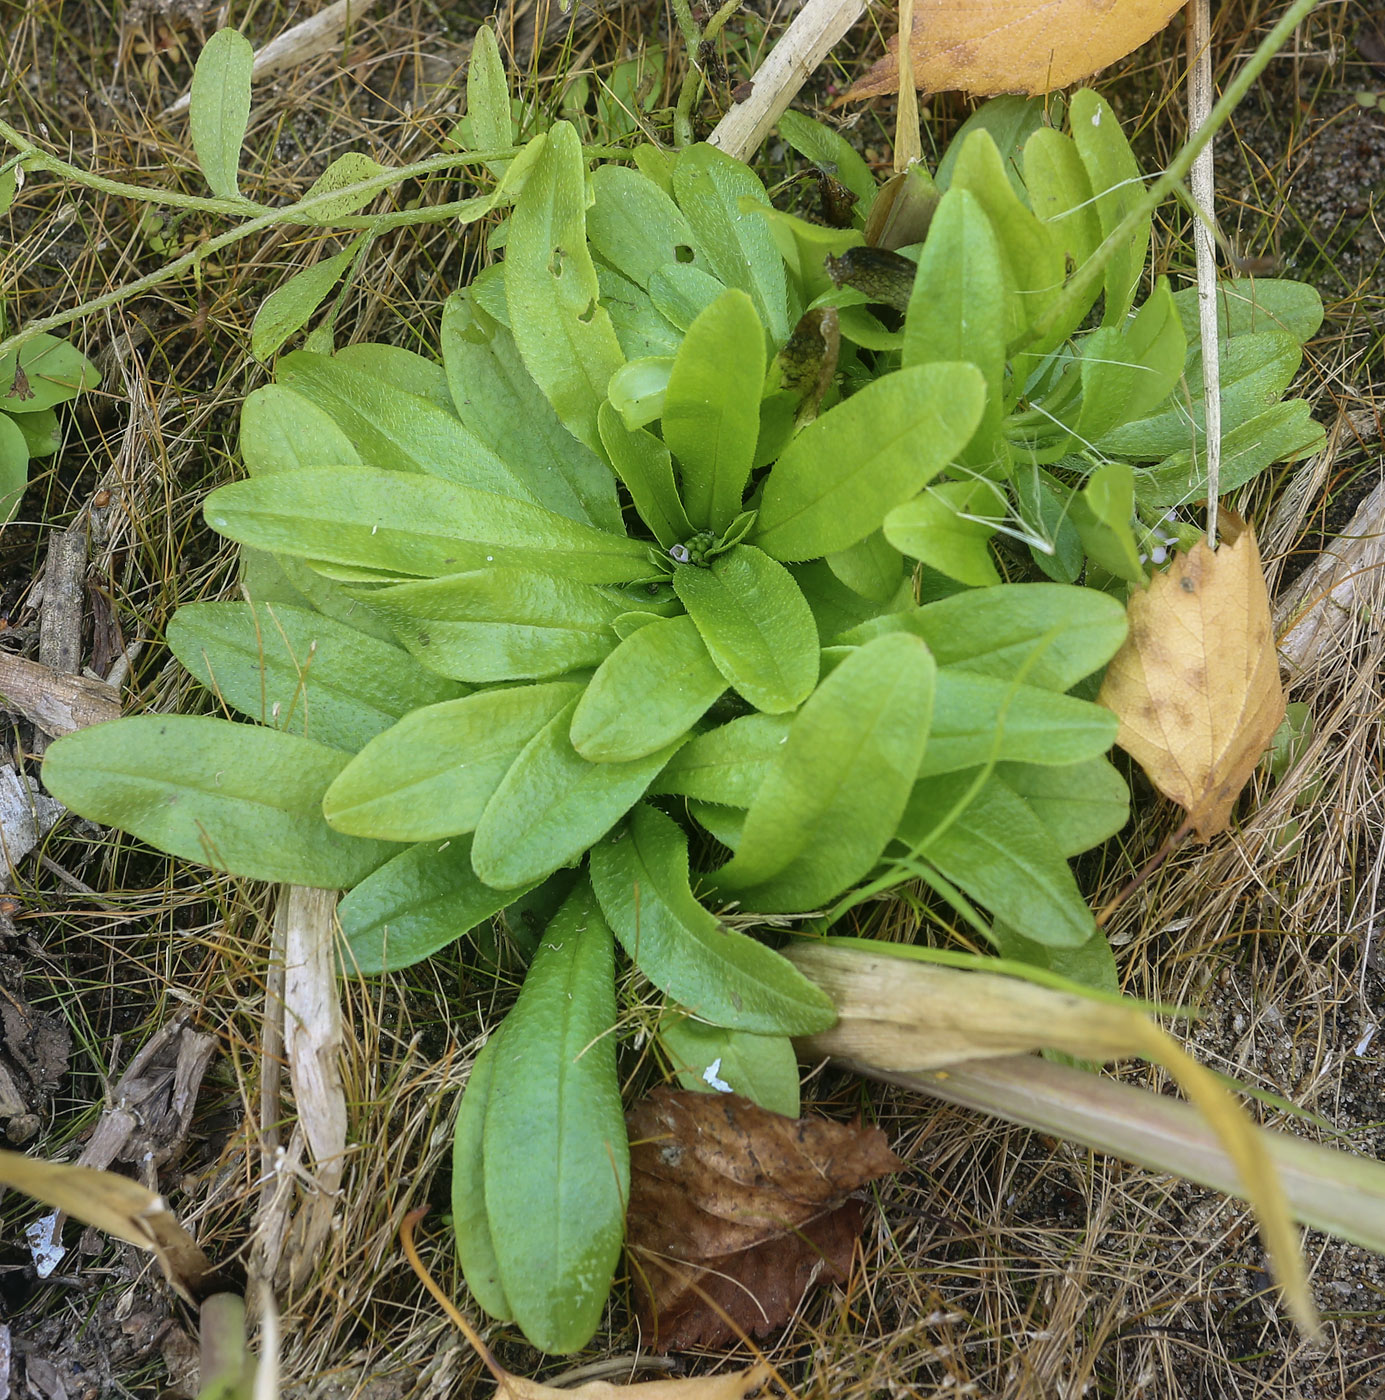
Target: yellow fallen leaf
(1196, 685)
(1030, 46)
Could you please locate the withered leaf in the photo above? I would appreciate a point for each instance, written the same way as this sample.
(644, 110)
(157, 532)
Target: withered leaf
(732, 1385)
(1196, 685)
(1029, 46)
(735, 1212)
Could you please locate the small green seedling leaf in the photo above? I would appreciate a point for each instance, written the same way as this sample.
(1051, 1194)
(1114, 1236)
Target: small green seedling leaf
(219, 109)
(289, 307)
(640, 875)
(556, 1159)
(489, 119)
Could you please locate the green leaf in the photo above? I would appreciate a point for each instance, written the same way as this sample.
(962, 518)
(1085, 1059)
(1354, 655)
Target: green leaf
(1043, 506)
(402, 369)
(1053, 634)
(645, 467)
(958, 307)
(872, 567)
(1091, 963)
(422, 900)
(9, 187)
(294, 669)
(351, 169)
(997, 851)
(498, 400)
(1246, 305)
(1283, 433)
(938, 527)
(756, 624)
(1117, 187)
(637, 390)
(759, 1067)
(14, 468)
(42, 372)
(640, 875)
(553, 805)
(42, 434)
(712, 408)
(833, 797)
(1128, 369)
(831, 152)
(276, 578)
(394, 522)
(501, 624)
(488, 108)
(1009, 121)
(564, 335)
(470, 1222)
(1061, 195)
(980, 719)
(1104, 514)
(724, 824)
(647, 693)
(847, 469)
(635, 226)
(557, 1164)
(1080, 805)
(643, 332)
(237, 797)
(400, 432)
(726, 764)
(219, 108)
(836, 607)
(289, 307)
(710, 186)
(681, 292)
(281, 431)
(433, 773)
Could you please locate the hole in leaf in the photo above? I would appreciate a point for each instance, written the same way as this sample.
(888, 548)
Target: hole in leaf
(683, 253)
(587, 313)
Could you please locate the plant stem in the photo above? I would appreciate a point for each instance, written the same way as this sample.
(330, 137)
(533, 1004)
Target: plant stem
(1078, 291)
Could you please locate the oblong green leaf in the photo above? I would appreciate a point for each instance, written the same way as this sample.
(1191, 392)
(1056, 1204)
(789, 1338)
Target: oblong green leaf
(42, 432)
(982, 719)
(219, 108)
(645, 467)
(759, 1067)
(640, 875)
(635, 226)
(946, 527)
(563, 333)
(293, 669)
(288, 308)
(237, 797)
(14, 468)
(425, 898)
(42, 372)
(431, 775)
(496, 397)
(839, 477)
(711, 413)
(832, 799)
(411, 525)
(997, 851)
(756, 625)
(470, 1221)
(501, 624)
(1080, 805)
(556, 1159)
(553, 804)
(281, 431)
(648, 692)
(402, 369)
(726, 764)
(1249, 304)
(347, 170)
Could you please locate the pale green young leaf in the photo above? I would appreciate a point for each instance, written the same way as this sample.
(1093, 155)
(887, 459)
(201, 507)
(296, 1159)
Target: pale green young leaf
(488, 108)
(680, 292)
(711, 413)
(846, 470)
(756, 624)
(872, 568)
(1061, 195)
(647, 693)
(645, 468)
(350, 169)
(637, 390)
(42, 372)
(727, 764)
(294, 669)
(9, 187)
(501, 624)
(564, 335)
(497, 399)
(635, 226)
(759, 1067)
(556, 1159)
(431, 775)
(640, 875)
(996, 851)
(238, 797)
(403, 524)
(290, 306)
(425, 898)
(470, 1222)
(553, 805)
(219, 109)
(833, 797)
(281, 431)
(14, 468)
(1104, 514)
(946, 526)
(1009, 121)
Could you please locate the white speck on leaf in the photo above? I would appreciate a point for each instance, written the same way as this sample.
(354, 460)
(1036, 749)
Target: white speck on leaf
(710, 1076)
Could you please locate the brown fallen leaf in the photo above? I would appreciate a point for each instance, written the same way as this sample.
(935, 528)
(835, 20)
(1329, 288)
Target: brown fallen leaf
(1196, 685)
(1030, 46)
(735, 1212)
